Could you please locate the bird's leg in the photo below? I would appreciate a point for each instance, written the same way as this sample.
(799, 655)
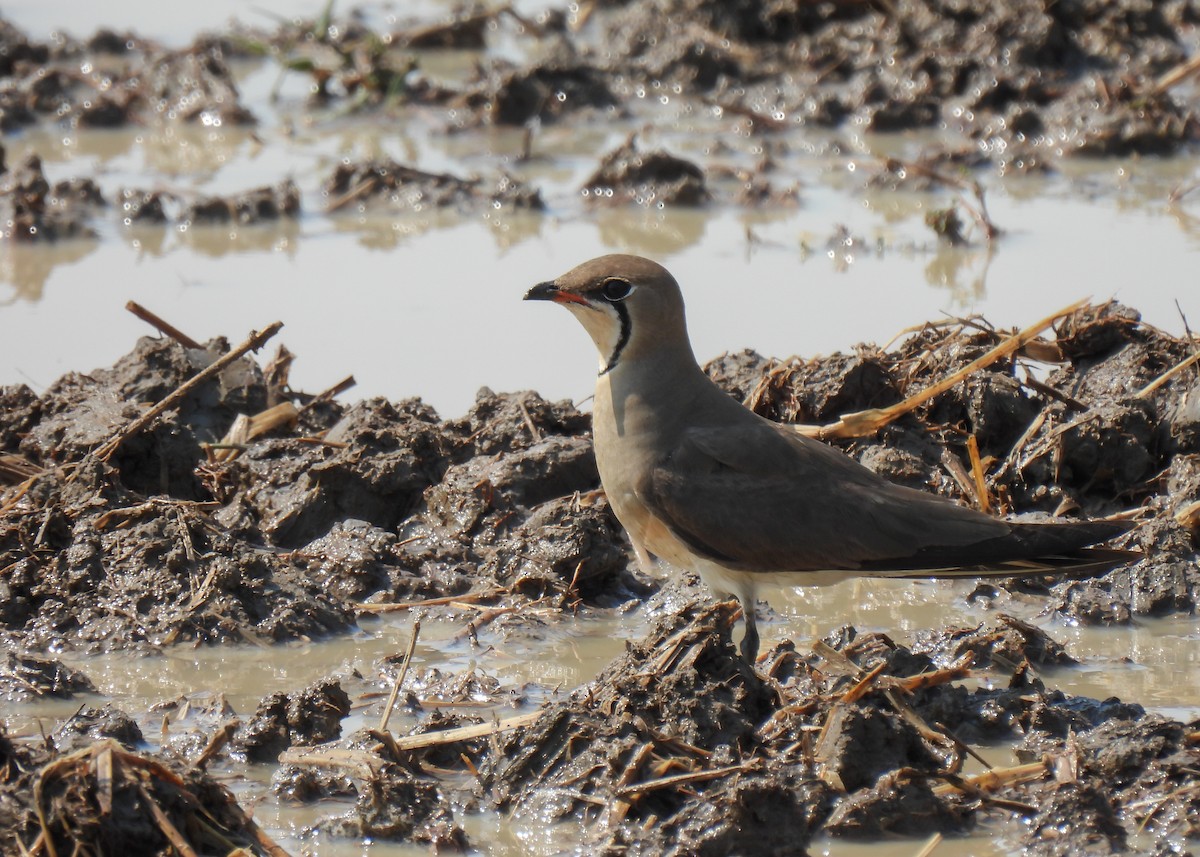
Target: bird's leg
(645, 563)
(750, 641)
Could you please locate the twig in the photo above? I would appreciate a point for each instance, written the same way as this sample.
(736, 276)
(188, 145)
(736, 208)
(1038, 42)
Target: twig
(872, 420)
(757, 117)
(959, 473)
(1013, 454)
(326, 395)
(484, 617)
(835, 659)
(863, 687)
(930, 845)
(1189, 516)
(265, 842)
(363, 188)
(256, 341)
(17, 468)
(932, 325)
(391, 703)
(465, 733)
(34, 849)
(169, 830)
(219, 739)
(103, 762)
(981, 491)
(246, 429)
(1187, 330)
(526, 153)
(1175, 75)
(20, 492)
(991, 780)
(162, 326)
(364, 607)
(362, 762)
(718, 42)
(933, 736)
(958, 670)
(679, 780)
(1156, 803)
(1046, 390)
(619, 809)
(533, 429)
(1180, 191)
(320, 441)
(1166, 376)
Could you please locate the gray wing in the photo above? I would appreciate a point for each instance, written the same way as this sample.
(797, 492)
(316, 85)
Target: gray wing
(760, 497)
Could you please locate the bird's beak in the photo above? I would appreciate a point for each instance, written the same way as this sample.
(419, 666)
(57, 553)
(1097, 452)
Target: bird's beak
(551, 292)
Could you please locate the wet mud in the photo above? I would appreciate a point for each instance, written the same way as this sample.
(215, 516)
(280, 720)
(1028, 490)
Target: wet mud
(198, 530)
(1013, 87)
(249, 512)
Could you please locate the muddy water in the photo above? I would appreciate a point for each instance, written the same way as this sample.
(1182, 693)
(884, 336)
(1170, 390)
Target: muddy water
(1154, 662)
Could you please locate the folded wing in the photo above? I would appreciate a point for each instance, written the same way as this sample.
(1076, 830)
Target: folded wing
(759, 497)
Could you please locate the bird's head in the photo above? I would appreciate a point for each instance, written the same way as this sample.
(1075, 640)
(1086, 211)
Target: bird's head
(630, 306)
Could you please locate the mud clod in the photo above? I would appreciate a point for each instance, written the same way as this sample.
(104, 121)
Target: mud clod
(309, 717)
(858, 746)
(1128, 767)
(1076, 820)
(24, 677)
(394, 804)
(32, 210)
(254, 206)
(410, 189)
(23, 410)
(379, 460)
(898, 804)
(142, 808)
(652, 179)
(546, 93)
(1012, 642)
(715, 750)
(596, 743)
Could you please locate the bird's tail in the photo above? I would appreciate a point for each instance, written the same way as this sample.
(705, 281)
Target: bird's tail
(1086, 562)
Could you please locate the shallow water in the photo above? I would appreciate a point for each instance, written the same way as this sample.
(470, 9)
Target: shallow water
(1153, 662)
(429, 305)
(396, 303)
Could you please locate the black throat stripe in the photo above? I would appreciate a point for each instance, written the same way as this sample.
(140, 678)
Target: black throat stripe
(622, 338)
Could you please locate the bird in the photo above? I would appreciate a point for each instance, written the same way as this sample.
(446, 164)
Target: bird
(703, 483)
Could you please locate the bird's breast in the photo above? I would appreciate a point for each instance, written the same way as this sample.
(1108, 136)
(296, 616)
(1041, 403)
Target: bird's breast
(628, 446)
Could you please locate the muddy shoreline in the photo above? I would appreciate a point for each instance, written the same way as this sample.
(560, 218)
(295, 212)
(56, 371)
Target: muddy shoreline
(245, 512)
(1013, 88)
(248, 512)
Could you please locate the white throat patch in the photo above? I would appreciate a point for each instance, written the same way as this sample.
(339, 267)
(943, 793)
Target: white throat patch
(605, 326)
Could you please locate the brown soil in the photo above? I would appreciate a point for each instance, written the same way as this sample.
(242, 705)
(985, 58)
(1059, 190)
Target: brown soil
(348, 508)
(203, 529)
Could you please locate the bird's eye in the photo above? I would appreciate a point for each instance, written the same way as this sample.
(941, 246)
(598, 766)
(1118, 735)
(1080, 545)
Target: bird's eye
(615, 289)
